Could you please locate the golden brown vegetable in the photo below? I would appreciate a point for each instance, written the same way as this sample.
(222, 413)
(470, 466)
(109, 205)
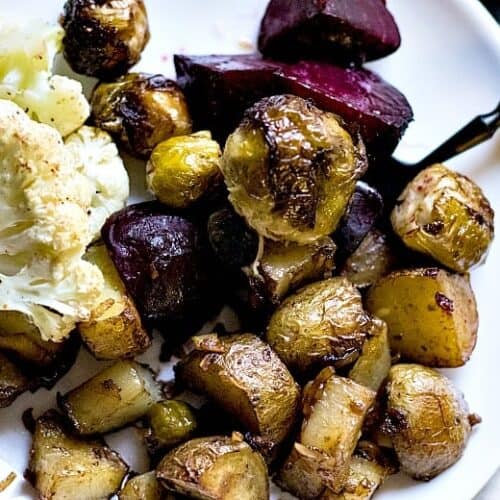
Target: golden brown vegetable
(247, 379)
(143, 487)
(431, 315)
(334, 411)
(374, 362)
(115, 328)
(182, 170)
(445, 215)
(323, 323)
(427, 418)
(12, 381)
(104, 38)
(116, 396)
(291, 168)
(140, 111)
(215, 468)
(63, 467)
(372, 260)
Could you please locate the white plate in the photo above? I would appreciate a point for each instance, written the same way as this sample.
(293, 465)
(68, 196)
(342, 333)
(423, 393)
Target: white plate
(449, 68)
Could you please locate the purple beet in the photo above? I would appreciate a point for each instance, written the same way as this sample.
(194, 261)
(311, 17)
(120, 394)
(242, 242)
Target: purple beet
(336, 30)
(220, 88)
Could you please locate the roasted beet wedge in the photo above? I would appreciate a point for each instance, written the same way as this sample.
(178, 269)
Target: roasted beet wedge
(344, 31)
(220, 88)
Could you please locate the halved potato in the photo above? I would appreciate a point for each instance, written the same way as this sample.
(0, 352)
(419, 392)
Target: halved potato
(115, 329)
(12, 381)
(431, 315)
(215, 468)
(63, 467)
(143, 487)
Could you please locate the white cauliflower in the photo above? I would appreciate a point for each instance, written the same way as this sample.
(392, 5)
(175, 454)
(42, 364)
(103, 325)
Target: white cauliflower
(26, 56)
(44, 227)
(98, 159)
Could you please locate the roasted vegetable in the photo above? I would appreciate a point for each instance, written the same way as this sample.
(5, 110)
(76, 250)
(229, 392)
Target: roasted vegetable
(140, 111)
(246, 378)
(349, 32)
(220, 88)
(184, 169)
(374, 362)
(143, 487)
(115, 328)
(427, 419)
(446, 216)
(104, 38)
(162, 259)
(334, 410)
(291, 168)
(13, 382)
(431, 315)
(373, 259)
(64, 467)
(215, 468)
(118, 395)
(170, 422)
(322, 324)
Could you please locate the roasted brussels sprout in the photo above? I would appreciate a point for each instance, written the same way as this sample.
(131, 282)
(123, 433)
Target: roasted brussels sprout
(115, 329)
(13, 382)
(143, 487)
(334, 410)
(322, 324)
(104, 38)
(291, 168)
(246, 378)
(64, 467)
(170, 423)
(446, 216)
(215, 468)
(116, 396)
(427, 419)
(140, 111)
(431, 315)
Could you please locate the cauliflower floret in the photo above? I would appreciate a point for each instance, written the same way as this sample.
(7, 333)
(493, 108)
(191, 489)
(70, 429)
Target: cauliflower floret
(44, 227)
(26, 56)
(98, 159)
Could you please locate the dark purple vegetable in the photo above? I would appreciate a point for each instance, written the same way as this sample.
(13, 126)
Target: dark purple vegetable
(164, 261)
(220, 88)
(340, 30)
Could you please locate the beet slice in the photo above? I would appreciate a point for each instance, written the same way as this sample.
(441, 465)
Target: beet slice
(344, 31)
(220, 88)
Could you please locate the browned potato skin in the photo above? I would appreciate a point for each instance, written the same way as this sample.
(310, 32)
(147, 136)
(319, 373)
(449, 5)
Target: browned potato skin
(215, 468)
(143, 487)
(431, 315)
(321, 324)
(12, 381)
(115, 329)
(427, 418)
(247, 379)
(63, 467)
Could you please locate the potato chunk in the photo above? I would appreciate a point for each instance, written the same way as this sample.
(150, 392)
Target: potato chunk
(143, 487)
(117, 396)
(63, 467)
(12, 381)
(215, 468)
(431, 315)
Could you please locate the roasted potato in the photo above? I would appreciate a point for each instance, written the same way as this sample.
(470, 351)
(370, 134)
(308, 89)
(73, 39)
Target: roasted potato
(373, 259)
(140, 110)
(247, 379)
(374, 362)
(104, 38)
(291, 168)
(118, 395)
(431, 315)
(334, 411)
(215, 468)
(427, 419)
(322, 324)
(184, 169)
(115, 329)
(445, 215)
(13, 382)
(143, 487)
(63, 467)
